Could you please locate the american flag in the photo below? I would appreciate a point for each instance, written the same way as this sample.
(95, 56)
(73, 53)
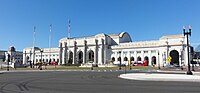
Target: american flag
(34, 33)
(68, 26)
(50, 27)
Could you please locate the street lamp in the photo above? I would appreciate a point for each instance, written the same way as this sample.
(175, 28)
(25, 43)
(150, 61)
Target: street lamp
(188, 33)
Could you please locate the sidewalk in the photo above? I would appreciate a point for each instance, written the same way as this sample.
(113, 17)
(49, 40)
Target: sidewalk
(174, 76)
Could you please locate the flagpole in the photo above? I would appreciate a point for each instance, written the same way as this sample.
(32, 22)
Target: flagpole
(50, 42)
(68, 39)
(34, 37)
(68, 28)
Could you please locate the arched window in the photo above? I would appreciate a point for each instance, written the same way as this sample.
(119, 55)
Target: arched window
(113, 59)
(70, 57)
(153, 60)
(91, 55)
(146, 58)
(175, 57)
(139, 58)
(80, 57)
(132, 58)
(125, 59)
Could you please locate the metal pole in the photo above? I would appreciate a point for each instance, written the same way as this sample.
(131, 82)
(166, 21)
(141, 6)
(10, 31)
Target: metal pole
(188, 72)
(188, 33)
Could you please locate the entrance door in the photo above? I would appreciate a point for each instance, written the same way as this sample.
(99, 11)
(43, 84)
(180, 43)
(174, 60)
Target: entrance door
(80, 57)
(175, 57)
(153, 60)
(70, 57)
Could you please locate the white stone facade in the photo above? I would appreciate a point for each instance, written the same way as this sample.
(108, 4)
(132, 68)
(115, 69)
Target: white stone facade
(105, 48)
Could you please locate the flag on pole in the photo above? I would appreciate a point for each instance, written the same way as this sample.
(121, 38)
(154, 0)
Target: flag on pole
(34, 33)
(69, 28)
(50, 27)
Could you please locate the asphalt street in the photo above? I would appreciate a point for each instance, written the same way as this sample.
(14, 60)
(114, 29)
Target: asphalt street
(87, 82)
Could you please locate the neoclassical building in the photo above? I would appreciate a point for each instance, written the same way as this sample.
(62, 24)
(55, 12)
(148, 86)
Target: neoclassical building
(117, 48)
(15, 57)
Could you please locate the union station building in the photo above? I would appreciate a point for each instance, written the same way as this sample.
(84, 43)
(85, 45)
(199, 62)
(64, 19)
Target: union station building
(117, 48)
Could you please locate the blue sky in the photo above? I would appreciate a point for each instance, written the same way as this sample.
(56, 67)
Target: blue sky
(142, 19)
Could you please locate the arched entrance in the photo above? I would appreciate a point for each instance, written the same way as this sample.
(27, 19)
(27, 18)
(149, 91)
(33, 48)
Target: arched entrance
(146, 61)
(91, 56)
(132, 58)
(113, 59)
(153, 62)
(70, 57)
(80, 57)
(125, 61)
(139, 58)
(175, 57)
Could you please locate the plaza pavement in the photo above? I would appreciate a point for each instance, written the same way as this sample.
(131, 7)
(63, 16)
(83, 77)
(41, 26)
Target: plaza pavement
(151, 75)
(163, 75)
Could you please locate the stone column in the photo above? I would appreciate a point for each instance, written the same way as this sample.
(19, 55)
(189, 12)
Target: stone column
(96, 52)
(24, 58)
(102, 51)
(66, 54)
(74, 56)
(60, 54)
(85, 52)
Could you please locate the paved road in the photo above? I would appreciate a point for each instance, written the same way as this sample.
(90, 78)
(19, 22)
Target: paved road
(86, 82)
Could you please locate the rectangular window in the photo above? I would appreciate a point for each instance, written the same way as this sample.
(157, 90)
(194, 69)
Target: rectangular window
(138, 52)
(131, 52)
(153, 51)
(119, 52)
(124, 52)
(145, 51)
(113, 53)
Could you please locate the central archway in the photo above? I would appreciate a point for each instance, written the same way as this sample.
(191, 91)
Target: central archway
(70, 57)
(80, 57)
(146, 61)
(91, 56)
(175, 57)
(139, 58)
(153, 62)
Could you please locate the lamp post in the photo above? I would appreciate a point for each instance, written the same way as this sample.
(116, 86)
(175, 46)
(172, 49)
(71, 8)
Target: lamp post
(188, 33)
